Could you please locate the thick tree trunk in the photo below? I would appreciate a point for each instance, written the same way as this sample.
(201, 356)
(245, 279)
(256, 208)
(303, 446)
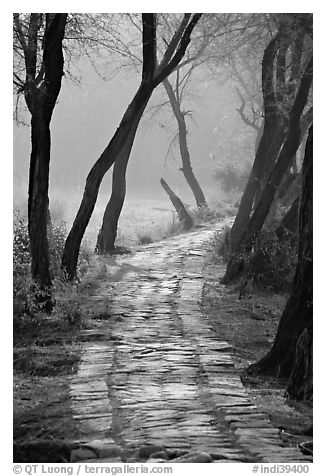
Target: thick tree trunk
(186, 168)
(301, 380)
(182, 213)
(268, 163)
(119, 146)
(260, 213)
(41, 95)
(38, 204)
(293, 342)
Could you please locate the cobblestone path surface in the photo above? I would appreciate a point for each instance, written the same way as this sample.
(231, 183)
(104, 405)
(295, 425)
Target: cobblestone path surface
(162, 377)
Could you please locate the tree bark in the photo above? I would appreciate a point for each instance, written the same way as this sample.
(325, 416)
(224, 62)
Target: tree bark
(289, 148)
(186, 168)
(293, 342)
(182, 213)
(301, 380)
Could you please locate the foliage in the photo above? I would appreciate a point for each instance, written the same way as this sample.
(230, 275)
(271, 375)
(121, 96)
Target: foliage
(230, 178)
(26, 292)
(271, 263)
(276, 260)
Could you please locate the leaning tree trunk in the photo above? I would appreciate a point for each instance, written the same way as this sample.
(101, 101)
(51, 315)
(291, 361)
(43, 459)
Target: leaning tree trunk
(291, 353)
(108, 232)
(263, 150)
(279, 133)
(289, 223)
(257, 220)
(186, 168)
(182, 213)
(119, 146)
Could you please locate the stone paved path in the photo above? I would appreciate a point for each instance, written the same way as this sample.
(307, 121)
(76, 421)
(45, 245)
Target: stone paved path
(162, 377)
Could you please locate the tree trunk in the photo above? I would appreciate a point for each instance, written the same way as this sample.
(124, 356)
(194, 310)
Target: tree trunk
(289, 148)
(186, 168)
(41, 98)
(263, 154)
(38, 204)
(266, 153)
(301, 380)
(277, 140)
(289, 223)
(293, 341)
(259, 136)
(108, 232)
(182, 213)
(119, 147)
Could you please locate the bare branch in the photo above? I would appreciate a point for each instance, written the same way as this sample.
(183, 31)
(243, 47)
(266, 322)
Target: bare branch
(174, 42)
(20, 33)
(184, 42)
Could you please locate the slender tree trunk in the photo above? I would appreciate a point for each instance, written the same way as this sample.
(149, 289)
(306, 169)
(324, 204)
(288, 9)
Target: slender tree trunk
(265, 154)
(293, 341)
(182, 213)
(263, 150)
(119, 146)
(259, 136)
(186, 168)
(289, 223)
(108, 232)
(289, 148)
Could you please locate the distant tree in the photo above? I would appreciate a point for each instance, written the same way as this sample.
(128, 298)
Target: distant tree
(119, 148)
(291, 353)
(175, 98)
(39, 63)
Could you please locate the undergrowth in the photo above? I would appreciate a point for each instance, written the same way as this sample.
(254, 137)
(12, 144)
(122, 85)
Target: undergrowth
(272, 261)
(26, 292)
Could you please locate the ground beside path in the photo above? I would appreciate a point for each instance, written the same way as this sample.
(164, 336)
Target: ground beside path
(155, 377)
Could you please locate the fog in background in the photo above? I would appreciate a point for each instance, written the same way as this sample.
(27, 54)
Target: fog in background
(87, 115)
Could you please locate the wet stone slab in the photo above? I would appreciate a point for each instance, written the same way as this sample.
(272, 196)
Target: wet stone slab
(159, 375)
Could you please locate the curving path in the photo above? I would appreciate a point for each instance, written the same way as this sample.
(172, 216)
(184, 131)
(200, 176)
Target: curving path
(162, 377)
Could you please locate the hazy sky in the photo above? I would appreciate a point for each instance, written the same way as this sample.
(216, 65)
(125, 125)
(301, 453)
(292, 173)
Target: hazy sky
(87, 116)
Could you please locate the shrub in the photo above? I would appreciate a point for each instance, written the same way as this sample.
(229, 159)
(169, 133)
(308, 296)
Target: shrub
(272, 262)
(26, 292)
(222, 243)
(230, 178)
(145, 239)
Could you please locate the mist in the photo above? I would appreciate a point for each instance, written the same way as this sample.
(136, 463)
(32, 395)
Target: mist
(87, 115)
